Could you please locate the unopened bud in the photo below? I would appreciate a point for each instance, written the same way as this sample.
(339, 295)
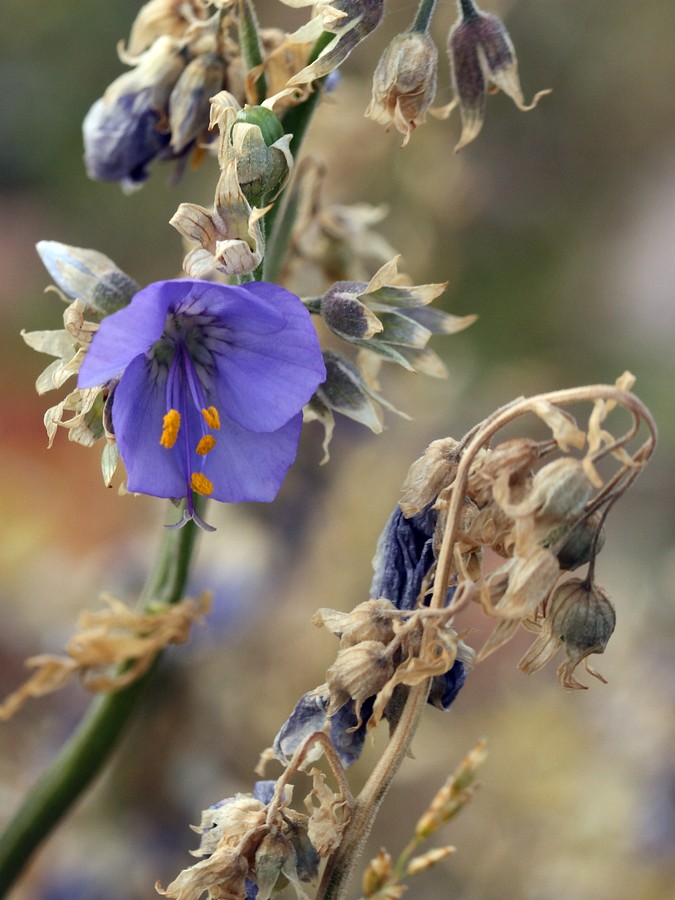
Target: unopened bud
(346, 315)
(264, 160)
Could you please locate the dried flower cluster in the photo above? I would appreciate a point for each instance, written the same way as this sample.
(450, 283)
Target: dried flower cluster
(111, 649)
(254, 844)
(539, 508)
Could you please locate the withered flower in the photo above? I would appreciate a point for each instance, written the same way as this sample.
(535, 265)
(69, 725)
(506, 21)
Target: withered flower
(351, 21)
(582, 618)
(481, 53)
(404, 83)
(255, 164)
(390, 318)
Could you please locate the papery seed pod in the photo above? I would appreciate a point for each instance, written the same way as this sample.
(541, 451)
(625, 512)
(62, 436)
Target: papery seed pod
(274, 857)
(575, 547)
(369, 621)
(358, 673)
(404, 83)
(428, 475)
(582, 616)
(560, 490)
(514, 458)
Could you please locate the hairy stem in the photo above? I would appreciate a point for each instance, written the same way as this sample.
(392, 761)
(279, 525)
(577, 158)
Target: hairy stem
(423, 16)
(90, 746)
(340, 867)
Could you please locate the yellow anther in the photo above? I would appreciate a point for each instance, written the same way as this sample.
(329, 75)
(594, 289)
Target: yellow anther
(206, 444)
(201, 484)
(170, 428)
(212, 417)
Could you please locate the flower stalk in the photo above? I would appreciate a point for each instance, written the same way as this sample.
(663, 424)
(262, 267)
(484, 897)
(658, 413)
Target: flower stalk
(91, 745)
(423, 16)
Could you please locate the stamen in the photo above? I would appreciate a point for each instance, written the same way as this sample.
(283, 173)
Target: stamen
(212, 417)
(170, 428)
(201, 484)
(206, 444)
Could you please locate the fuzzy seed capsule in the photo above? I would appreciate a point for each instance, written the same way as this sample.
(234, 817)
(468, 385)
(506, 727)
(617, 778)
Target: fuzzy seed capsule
(582, 616)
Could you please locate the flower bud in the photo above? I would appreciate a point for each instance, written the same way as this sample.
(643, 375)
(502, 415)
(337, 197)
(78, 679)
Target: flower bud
(262, 150)
(404, 83)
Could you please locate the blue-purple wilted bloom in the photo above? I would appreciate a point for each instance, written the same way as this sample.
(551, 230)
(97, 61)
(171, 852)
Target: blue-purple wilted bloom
(127, 128)
(404, 557)
(122, 137)
(213, 379)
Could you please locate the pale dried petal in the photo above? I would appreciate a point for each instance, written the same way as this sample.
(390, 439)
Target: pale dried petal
(329, 815)
(118, 637)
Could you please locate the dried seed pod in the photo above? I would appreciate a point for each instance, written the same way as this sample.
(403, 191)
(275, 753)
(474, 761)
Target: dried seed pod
(428, 475)
(575, 547)
(359, 672)
(369, 621)
(560, 490)
(404, 83)
(582, 616)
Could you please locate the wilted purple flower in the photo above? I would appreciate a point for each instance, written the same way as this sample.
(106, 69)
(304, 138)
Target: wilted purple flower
(403, 558)
(213, 379)
(121, 138)
(309, 716)
(127, 128)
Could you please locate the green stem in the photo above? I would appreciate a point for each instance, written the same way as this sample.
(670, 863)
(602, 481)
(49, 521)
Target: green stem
(296, 122)
(423, 16)
(251, 50)
(89, 747)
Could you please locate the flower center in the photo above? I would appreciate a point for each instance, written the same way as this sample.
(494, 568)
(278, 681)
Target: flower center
(191, 437)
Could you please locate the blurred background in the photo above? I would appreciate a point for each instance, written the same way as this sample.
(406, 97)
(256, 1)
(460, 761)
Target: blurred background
(557, 228)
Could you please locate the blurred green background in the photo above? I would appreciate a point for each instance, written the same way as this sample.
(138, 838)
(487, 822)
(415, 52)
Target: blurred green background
(558, 228)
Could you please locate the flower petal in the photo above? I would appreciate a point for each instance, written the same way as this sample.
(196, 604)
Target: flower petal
(265, 379)
(245, 465)
(129, 332)
(138, 413)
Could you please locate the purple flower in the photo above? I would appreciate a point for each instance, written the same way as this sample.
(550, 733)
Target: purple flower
(213, 379)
